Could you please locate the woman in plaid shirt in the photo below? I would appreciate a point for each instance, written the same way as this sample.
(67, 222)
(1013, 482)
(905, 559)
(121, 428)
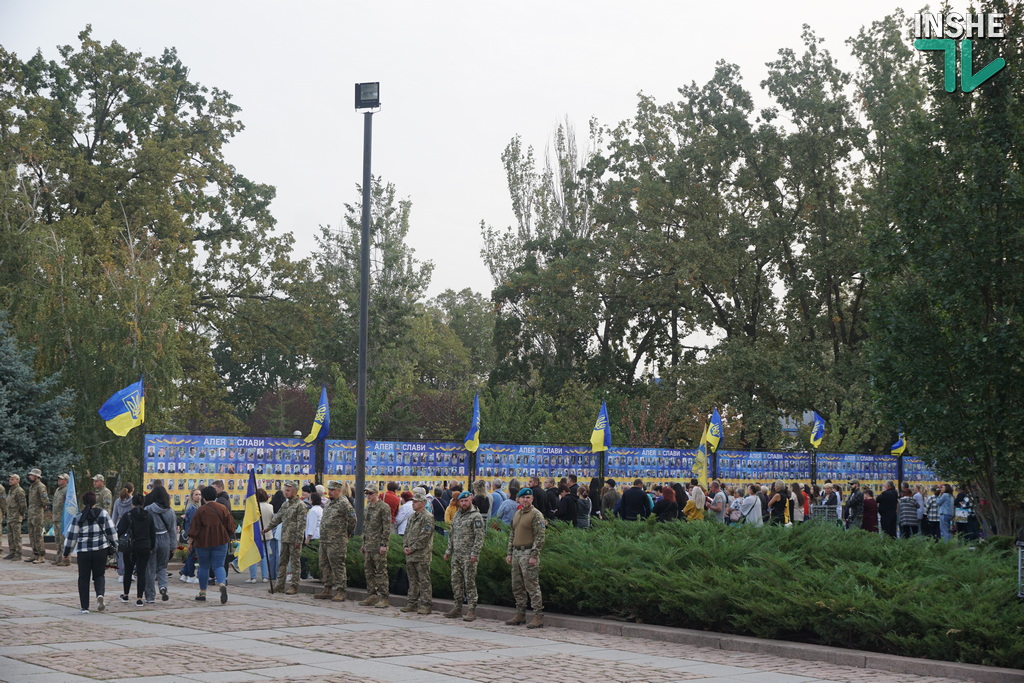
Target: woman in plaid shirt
(93, 531)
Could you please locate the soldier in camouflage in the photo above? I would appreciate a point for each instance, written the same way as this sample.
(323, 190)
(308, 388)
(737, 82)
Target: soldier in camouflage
(60, 496)
(16, 509)
(419, 550)
(3, 510)
(376, 535)
(292, 518)
(38, 501)
(104, 498)
(524, 543)
(336, 527)
(465, 539)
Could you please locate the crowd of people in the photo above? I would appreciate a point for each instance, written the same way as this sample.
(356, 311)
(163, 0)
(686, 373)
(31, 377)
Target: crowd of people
(139, 533)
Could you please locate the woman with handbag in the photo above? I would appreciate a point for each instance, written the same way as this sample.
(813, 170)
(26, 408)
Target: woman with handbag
(93, 532)
(209, 533)
(136, 540)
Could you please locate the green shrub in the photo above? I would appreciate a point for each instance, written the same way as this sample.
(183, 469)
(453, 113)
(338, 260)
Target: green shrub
(811, 583)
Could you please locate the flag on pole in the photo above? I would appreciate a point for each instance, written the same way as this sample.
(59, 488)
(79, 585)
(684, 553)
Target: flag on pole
(473, 435)
(818, 431)
(714, 434)
(70, 506)
(322, 421)
(250, 548)
(125, 409)
(601, 437)
(700, 462)
(900, 445)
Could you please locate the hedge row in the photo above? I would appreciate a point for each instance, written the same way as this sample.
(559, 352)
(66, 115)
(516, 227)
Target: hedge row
(812, 583)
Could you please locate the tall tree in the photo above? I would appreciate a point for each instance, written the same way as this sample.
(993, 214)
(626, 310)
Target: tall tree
(948, 328)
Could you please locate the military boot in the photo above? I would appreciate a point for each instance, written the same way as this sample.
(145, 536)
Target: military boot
(383, 602)
(538, 620)
(519, 618)
(32, 559)
(325, 594)
(423, 610)
(40, 559)
(470, 614)
(339, 596)
(292, 590)
(454, 611)
(411, 607)
(370, 600)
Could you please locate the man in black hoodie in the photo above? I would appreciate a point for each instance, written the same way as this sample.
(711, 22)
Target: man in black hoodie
(888, 505)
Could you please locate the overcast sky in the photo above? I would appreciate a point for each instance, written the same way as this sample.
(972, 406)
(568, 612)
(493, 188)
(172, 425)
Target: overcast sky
(458, 81)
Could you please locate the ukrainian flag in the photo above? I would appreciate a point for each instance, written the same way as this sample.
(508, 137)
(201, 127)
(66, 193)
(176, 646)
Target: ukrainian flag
(601, 437)
(322, 421)
(700, 462)
(250, 548)
(714, 432)
(125, 409)
(818, 432)
(900, 445)
(473, 435)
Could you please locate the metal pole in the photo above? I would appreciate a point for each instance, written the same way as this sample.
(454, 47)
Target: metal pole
(364, 314)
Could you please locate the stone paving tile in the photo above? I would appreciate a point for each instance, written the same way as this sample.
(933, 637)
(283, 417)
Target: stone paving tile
(34, 588)
(115, 606)
(59, 631)
(229, 619)
(380, 643)
(527, 670)
(7, 612)
(15, 575)
(144, 661)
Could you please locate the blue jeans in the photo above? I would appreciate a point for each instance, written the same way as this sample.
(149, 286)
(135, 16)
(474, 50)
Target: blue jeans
(272, 554)
(264, 571)
(189, 569)
(214, 558)
(945, 523)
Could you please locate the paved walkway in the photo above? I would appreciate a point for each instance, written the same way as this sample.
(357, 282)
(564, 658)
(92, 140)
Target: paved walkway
(258, 636)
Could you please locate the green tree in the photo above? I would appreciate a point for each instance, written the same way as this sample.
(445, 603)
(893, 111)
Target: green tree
(34, 413)
(948, 329)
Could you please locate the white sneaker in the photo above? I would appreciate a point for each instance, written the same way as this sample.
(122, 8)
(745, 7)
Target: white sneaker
(265, 580)
(250, 580)
(182, 578)
(99, 603)
(192, 579)
(85, 611)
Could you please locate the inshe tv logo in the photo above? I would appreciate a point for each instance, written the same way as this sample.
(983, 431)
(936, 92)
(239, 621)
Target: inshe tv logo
(942, 31)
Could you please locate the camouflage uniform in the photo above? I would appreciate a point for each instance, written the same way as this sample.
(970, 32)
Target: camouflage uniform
(16, 508)
(59, 498)
(526, 578)
(376, 534)
(38, 501)
(465, 540)
(3, 508)
(419, 539)
(336, 527)
(292, 518)
(104, 499)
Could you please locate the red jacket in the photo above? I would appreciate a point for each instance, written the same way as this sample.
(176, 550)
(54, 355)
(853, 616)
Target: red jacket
(394, 502)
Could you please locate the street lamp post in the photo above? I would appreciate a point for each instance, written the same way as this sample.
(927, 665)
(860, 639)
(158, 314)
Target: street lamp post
(367, 97)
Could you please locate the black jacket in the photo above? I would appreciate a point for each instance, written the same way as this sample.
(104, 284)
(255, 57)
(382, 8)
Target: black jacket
(139, 523)
(888, 504)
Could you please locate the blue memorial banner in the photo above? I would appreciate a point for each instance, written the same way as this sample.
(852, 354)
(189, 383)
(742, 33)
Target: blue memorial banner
(655, 465)
(410, 463)
(869, 469)
(747, 467)
(185, 462)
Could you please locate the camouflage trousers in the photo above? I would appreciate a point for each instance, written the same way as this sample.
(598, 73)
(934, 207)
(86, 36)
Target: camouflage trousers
(333, 572)
(375, 567)
(464, 580)
(421, 593)
(526, 581)
(14, 534)
(289, 563)
(35, 534)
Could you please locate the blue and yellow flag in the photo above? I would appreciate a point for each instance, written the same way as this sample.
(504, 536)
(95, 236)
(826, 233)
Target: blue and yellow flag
(900, 445)
(250, 548)
(818, 431)
(473, 435)
(70, 506)
(700, 462)
(322, 421)
(601, 437)
(714, 431)
(125, 409)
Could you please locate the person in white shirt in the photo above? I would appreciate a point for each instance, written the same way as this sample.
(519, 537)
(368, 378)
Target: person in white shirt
(404, 513)
(750, 507)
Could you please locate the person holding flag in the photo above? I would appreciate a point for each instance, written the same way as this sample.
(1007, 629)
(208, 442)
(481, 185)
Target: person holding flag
(322, 421)
(126, 409)
(473, 435)
(251, 550)
(601, 436)
(59, 513)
